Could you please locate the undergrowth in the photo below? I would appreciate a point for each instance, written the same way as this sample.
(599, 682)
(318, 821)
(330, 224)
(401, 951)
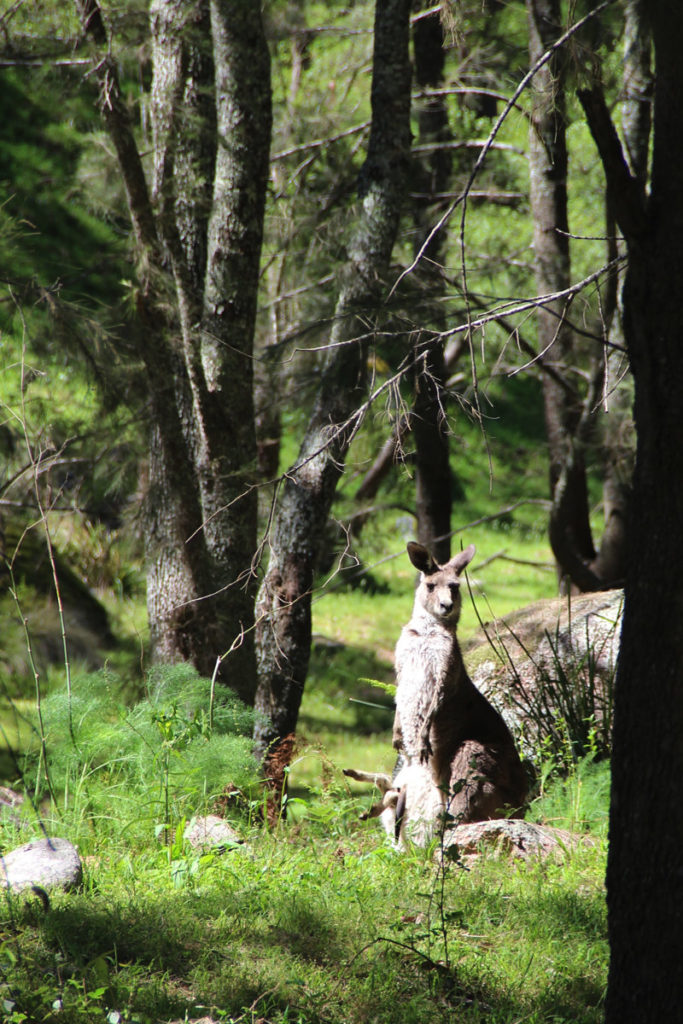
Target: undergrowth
(106, 764)
(312, 925)
(317, 920)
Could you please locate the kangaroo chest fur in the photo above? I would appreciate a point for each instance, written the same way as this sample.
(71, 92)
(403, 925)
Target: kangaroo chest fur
(428, 669)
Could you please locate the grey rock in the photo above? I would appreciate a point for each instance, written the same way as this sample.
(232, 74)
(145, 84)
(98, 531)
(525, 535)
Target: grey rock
(11, 803)
(10, 798)
(209, 832)
(508, 659)
(521, 840)
(44, 863)
(197, 1020)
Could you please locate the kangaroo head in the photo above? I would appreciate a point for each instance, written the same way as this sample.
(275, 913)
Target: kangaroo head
(438, 591)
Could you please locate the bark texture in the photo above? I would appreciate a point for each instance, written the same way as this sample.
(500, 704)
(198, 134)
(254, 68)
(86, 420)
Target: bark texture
(570, 528)
(431, 180)
(615, 440)
(644, 876)
(284, 602)
(199, 241)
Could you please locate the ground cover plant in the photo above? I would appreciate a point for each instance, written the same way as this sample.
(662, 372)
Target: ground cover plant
(317, 921)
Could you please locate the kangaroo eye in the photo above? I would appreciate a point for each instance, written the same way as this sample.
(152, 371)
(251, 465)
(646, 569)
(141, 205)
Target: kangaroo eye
(455, 587)
(430, 587)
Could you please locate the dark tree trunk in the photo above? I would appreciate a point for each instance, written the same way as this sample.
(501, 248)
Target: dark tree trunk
(427, 422)
(284, 603)
(636, 107)
(199, 243)
(431, 180)
(548, 194)
(432, 467)
(644, 877)
(636, 115)
(636, 121)
(391, 451)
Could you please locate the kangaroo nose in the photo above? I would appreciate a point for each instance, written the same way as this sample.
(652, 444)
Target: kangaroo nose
(446, 607)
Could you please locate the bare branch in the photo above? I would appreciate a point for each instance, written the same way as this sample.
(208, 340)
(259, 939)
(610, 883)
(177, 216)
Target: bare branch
(117, 121)
(306, 147)
(543, 60)
(514, 308)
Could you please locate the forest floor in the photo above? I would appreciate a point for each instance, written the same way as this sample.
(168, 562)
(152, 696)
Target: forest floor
(318, 919)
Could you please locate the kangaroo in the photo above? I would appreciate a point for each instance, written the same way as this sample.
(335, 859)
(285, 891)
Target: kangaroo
(442, 720)
(411, 805)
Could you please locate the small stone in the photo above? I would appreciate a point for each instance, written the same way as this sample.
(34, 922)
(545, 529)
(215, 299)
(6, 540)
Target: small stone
(210, 832)
(10, 798)
(10, 805)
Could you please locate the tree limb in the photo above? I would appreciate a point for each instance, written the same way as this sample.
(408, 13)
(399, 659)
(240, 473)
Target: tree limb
(117, 121)
(626, 192)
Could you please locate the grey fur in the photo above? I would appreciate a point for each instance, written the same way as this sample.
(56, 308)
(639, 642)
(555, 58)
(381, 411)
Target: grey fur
(411, 805)
(442, 720)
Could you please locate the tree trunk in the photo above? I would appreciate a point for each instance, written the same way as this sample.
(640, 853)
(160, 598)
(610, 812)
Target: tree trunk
(645, 883)
(432, 467)
(636, 107)
(644, 877)
(617, 459)
(199, 243)
(431, 180)
(284, 602)
(548, 194)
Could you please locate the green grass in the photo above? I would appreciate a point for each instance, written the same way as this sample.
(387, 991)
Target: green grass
(319, 921)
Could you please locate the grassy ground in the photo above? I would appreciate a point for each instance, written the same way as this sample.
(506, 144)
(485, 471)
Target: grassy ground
(319, 921)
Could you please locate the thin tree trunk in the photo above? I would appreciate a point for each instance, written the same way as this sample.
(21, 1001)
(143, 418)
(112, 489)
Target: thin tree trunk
(391, 451)
(636, 117)
(432, 468)
(548, 194)
(636, 108)
(284, 602)
(431, 177)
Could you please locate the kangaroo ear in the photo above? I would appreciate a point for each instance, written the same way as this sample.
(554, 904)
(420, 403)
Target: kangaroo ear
(462, 559)
(421, 558)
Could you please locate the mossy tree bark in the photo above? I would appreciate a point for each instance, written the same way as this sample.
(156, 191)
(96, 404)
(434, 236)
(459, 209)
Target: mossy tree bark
(308, 488)
(199, 242)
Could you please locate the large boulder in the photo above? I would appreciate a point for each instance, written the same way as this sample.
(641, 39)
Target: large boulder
(551, 661)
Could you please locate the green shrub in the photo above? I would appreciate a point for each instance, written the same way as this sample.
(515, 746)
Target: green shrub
(170, 754)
